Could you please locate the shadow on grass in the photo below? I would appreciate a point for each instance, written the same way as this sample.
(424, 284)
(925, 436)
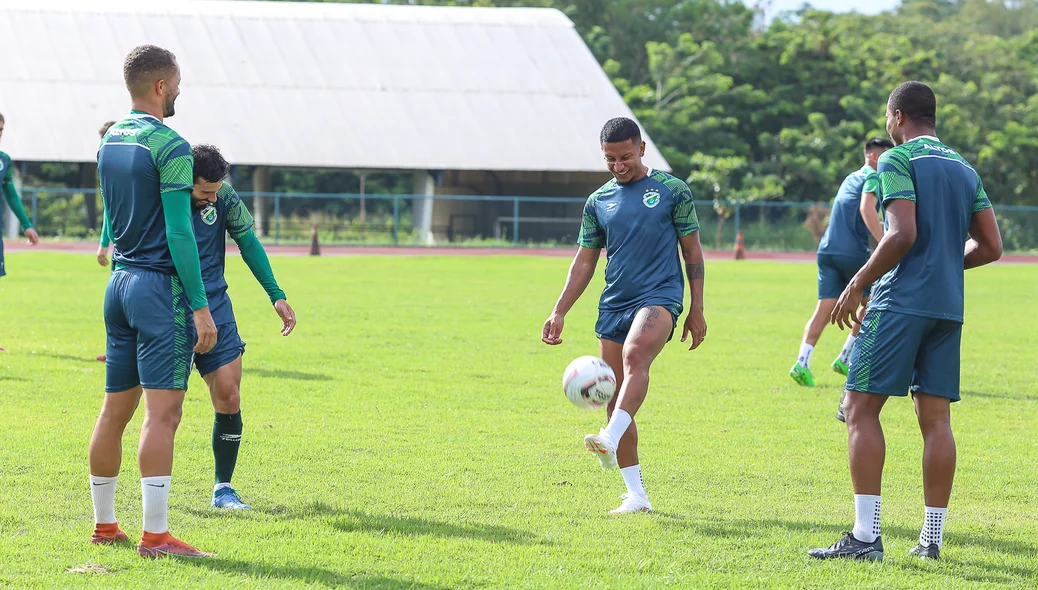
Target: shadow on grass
(819, 534)
(294, 375)
(86, 360)
(305, 574)
(1022, 397)
(352, 520)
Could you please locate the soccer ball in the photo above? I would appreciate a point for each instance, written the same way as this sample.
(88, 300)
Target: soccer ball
(589, 382)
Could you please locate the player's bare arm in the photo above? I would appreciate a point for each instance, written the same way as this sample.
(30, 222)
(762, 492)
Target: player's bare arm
(985, 243)
(896, 242)
(868, 214)
(581, 270)
(695, 322)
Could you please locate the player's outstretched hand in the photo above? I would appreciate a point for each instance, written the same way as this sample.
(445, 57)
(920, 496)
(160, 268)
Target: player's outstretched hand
(288, 316)
(102, 256)
(33, 237)
(551, 333)
(695, 324)
(850, 308)
(206, 330)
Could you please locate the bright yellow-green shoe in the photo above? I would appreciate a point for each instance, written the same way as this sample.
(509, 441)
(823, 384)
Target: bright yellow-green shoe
(840, 367)
(802, 375)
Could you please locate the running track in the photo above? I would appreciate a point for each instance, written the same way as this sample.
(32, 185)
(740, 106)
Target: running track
(88, 248)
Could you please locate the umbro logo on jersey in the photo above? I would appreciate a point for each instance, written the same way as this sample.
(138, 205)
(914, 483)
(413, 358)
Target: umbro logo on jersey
(208, 215)
(123, 132)
(651, 198)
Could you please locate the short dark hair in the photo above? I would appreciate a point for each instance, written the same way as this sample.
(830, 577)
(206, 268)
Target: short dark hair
(2, 120)
(209, 163)
(104, 128)
(916, 101)
(878, 144)
(620, 129)
(143, 64)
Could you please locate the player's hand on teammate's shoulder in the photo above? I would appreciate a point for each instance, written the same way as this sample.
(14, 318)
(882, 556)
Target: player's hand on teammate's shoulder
(33, 237)
(695, 325)
(206, 330)
(288, 316)
(551, 333)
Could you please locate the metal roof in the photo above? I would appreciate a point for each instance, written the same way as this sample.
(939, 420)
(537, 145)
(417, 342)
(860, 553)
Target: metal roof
(316, 84)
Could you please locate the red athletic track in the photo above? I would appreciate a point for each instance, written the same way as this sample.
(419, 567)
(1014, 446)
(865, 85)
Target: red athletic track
(89, 248)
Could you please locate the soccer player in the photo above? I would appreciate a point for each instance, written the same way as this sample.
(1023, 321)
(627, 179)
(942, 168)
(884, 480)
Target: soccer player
(843, 250)
(14, 201)
(640, 217)
(104, 250)
(933, 201)
(218, 212)
(155, 303)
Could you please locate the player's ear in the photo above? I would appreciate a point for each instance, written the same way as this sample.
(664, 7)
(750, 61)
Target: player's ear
(641, 149)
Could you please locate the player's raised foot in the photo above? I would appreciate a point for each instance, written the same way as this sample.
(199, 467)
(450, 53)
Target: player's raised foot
(840, 367)
(802, 375)
(926, 552)
(839, 408)
(850, 548)
(108, 534)
(228, 498)
(155, 545)
(632, 503)
(603, 448)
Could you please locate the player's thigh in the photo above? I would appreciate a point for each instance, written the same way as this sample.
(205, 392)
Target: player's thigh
(937, 365)
(164, 406)
(884, 353)
(652, 327)
(119, 406)
(120, 337)
(165, 328)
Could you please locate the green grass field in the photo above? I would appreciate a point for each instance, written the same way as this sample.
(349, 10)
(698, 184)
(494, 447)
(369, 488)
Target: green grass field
(412, 433)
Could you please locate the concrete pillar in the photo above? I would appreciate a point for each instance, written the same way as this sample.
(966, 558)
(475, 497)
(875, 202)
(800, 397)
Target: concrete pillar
(12, 229)
(261, 184)
(424, 186)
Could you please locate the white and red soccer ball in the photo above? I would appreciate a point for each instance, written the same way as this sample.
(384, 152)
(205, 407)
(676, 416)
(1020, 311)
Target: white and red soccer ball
(589, 382)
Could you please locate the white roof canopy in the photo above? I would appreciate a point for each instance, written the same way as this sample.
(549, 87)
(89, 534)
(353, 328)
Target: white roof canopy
(316, 84)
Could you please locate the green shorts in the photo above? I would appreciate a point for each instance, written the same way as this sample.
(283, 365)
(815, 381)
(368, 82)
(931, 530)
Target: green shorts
(151, 331)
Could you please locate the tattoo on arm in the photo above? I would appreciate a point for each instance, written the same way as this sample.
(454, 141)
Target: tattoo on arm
(695, 271)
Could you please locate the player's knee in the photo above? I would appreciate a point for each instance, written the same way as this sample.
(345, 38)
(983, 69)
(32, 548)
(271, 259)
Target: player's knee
(637, 359)
(167, 418)
(228, 399)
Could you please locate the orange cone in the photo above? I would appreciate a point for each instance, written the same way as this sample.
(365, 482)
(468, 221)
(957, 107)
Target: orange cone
(315, 246)
(740, 250)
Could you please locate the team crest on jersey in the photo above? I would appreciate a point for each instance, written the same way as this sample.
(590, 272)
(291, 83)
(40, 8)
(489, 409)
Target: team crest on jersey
(651, 198)
(209, 215)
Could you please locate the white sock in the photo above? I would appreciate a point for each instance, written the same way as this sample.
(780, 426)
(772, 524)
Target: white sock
(633, 478)
(866, 517)
(102, 492)
(845, 354)
(933, 527)
(804, 360)
(617, 426)
(156, 503)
